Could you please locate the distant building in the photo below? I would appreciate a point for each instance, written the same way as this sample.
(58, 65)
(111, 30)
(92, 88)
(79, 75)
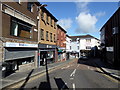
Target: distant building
(83, 43)
(110, 39)
(61, 43)
(68, 46)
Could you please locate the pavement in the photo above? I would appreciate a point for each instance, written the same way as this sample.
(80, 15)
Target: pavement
(108, 69)
(22, 75)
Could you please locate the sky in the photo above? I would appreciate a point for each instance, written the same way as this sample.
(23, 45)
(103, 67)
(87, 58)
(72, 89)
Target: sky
(81, 18)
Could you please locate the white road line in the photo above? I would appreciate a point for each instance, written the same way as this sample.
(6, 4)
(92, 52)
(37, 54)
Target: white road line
(73, 73)
(71, 78)
(78, 66)
(73, 86)
(88, 67)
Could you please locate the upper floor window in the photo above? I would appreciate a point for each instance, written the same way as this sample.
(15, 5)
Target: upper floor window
(47, 35)
(70, 48)
(51, 21)
(20, 28)
(42, 14)
(47, 18)
(42, 34)
(88, 40)
(30, 6)
(51, 37)
(78, 47)
(54, 38)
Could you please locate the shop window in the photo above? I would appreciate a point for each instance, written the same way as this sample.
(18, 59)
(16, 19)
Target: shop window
(88, 47)
(30, 6)
(20, 28)
(47, 36)
(42, 34)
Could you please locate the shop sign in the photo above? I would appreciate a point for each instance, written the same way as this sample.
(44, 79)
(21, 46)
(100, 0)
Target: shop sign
(110, 49)
(10, 44)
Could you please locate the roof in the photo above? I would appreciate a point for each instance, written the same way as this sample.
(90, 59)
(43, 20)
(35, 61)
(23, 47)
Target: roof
(82, 36)
(43, 8)
(61, 28)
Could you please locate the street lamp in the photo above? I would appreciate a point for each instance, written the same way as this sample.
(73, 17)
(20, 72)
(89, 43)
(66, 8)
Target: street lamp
(39, 38)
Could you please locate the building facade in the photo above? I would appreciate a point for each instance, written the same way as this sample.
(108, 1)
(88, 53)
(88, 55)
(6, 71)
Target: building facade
(18, 35)
(68, 48)
(110, 39)
(47, 37)
(84, 43)
(61, 43)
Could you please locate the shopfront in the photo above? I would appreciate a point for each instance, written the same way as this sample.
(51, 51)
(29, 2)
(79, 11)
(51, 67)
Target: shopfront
(46, 52)
(19, 56)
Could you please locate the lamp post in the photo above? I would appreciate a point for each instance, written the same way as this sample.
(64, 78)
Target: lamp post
(39, 38)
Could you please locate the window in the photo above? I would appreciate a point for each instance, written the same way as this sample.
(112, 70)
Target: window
(30, 6)
(70, 48)
(51, 37)
(51, 21)
(54, 24)
(20, 28)
(88, 40)
(47, 35)
(47, 18)
(42, 15)
(78, 47)
(42, 34)
(88, 47)
(54, 38)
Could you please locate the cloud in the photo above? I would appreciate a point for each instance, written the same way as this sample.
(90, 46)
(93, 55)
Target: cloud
(100, 14)
(86, 22)
(66, 23)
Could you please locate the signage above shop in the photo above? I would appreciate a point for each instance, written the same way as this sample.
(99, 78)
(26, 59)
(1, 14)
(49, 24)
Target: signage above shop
(110, 49)
(11, 44)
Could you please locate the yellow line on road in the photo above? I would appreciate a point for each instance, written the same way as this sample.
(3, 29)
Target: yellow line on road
(109, 77)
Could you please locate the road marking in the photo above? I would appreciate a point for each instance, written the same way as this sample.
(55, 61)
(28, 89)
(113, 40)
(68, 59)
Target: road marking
(73, 73)
(88, 67)
(71, 78)
(65, 67)
(73, 86)
(109, 77)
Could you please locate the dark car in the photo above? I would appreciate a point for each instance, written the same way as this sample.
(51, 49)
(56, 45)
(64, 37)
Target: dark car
(83, 58)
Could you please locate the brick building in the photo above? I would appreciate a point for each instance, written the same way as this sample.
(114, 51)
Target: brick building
(61, 43)
(18, 35)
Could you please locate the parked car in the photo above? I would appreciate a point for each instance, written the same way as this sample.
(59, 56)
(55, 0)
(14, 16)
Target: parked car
(83, 58)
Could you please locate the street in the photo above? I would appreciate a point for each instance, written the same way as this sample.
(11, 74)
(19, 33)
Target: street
(77, 74)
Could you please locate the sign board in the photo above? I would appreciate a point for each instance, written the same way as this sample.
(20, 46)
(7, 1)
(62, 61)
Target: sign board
(110, 49)
(11, 44)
